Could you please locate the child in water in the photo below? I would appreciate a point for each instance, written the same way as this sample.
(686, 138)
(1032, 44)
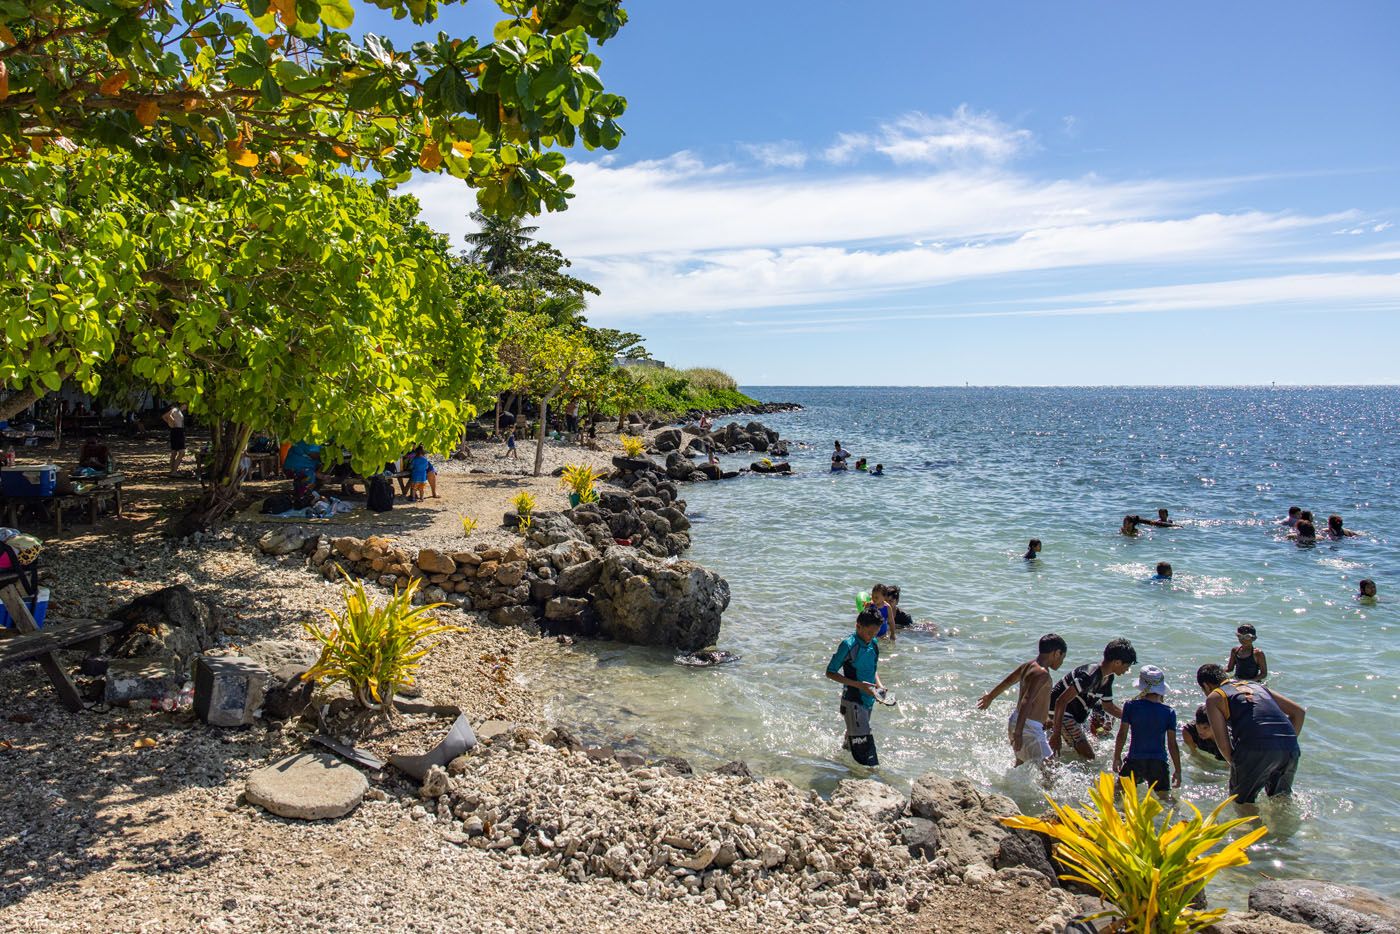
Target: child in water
(1033, 550)
(1198, 736)
(1367, 593)
(879, 471)
(1164, 572)
(1246, 661)
(1152, 726)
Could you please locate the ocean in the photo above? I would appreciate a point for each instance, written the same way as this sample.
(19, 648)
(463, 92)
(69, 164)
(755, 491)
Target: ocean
(971, 475)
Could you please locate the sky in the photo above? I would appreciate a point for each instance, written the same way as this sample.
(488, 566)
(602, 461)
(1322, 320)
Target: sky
(1013, 192)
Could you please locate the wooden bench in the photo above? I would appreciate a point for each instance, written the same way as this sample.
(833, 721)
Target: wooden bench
(51, 507)
(30, 643)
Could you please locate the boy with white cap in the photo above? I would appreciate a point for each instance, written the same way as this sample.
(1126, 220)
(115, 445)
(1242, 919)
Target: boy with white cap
(1152, 725)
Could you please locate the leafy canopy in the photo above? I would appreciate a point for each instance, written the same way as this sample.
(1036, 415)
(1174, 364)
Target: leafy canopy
(274, 86)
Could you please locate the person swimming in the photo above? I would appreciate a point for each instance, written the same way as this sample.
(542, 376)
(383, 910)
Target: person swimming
(1367, 593)
(1162, 521)
(1164, 572)
(1294, 514)
(1130, 524)
(1032, 551)
(1335, 530)
(861, 464)
(1304, 533)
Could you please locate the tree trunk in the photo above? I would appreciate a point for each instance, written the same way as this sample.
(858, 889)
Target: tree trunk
(228, 444)
(17, 403)
(539, 436)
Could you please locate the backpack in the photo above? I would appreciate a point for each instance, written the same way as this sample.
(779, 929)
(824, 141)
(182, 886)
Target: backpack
(276, 504)
(379, 494)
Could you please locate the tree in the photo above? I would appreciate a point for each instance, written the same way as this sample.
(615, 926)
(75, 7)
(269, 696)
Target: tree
(545, 362)
(302, 307)
(272, 86)
(499, 245)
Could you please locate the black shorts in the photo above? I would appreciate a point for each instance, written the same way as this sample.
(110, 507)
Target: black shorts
(1151, 771)
(177, 439)
(1268, 770)
(858, 738)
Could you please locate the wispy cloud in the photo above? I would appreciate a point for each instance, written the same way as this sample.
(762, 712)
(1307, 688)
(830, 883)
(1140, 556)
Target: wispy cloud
(780, 155)
(961, 137)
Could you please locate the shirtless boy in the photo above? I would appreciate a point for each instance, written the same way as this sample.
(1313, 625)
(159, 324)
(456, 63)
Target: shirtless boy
(1026, 726)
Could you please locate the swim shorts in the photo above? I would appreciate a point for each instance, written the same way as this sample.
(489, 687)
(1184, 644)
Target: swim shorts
(1151, 771)
(1267, 770)
(1034, 746)
(858, 738)
(1072, 731)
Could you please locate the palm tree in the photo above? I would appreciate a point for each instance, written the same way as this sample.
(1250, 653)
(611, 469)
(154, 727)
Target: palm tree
(499, 245)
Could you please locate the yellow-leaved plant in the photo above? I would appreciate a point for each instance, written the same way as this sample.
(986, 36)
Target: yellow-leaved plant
(523, 502)
(1148, 874)
(468, 525)
(632, 445)
(375, 650)
(579, 479)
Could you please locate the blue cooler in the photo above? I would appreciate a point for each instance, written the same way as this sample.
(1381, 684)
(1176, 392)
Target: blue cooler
(29, 481)
(38, 608)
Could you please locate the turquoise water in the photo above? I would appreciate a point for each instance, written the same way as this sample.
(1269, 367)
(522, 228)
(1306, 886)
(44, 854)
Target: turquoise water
(973, 474)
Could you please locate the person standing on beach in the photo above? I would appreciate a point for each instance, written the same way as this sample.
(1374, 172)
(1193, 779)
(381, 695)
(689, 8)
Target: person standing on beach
(174, 419)
(854, 664)
(1085, 690)
(1256, 730)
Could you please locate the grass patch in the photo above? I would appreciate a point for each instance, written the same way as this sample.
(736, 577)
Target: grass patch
(672, 392)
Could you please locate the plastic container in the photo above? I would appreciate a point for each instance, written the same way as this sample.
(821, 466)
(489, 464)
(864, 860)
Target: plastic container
(29, 481)
(38, 608)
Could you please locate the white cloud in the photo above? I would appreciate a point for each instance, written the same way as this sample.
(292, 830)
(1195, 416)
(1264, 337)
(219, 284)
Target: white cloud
(781, 155)
(963, 137)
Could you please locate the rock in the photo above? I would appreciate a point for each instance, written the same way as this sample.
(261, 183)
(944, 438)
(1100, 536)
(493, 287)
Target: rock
(228, 689)
(629, 759)
(635, 464)
(1326, 906)
(709, 471)
(579, 578)
(520, 616)
(873, 798)
(563, 737)
(134, 679)
(434, 562)
(702, 858)
(968, 820)
(772, 855)
(668, 439)
(921, 836)
(647, 602)
(678, 520)
(1253, 922)
(561, 608)
(676, 765)
(1027, 849)
(308, 786)
(491, 729)
(170, 624)
(616, 860)
(284, 541)
(508, 575)
(435, 783)
(737, 767)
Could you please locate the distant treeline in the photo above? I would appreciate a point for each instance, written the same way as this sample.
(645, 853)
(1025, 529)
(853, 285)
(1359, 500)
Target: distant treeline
(673, 392)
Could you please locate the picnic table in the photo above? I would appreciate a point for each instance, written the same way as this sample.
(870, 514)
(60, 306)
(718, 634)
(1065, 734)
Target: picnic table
(95, 494)
(27, 642)
(263, 465)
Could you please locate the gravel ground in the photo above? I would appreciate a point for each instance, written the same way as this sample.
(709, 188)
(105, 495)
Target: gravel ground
(121, 819)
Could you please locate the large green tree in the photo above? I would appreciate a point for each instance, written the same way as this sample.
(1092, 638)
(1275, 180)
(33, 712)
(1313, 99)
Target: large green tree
(273, 85)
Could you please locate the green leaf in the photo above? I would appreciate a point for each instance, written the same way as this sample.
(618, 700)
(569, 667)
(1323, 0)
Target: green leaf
(337, 14)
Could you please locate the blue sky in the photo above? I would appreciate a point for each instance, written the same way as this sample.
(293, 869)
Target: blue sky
(1014, 192)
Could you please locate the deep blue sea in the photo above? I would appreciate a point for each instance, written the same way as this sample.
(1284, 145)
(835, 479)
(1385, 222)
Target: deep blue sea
(971, 476)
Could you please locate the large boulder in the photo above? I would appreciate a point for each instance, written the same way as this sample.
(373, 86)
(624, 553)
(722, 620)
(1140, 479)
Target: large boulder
(1326, 906)
(435, 562)
(668, 439)
(968, 819)
(1254, 922)
(578, 579)
(308, 786)
(650, 602)
(875, 799)
(171, 624)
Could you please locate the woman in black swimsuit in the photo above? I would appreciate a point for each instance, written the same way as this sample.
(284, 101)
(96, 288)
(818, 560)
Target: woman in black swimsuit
(1247, 662)
(1197, 736)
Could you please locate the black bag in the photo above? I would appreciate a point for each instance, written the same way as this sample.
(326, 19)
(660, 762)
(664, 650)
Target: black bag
(379, 494)
(276, 504)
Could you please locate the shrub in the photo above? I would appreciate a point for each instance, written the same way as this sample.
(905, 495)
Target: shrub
(375, 649)
(579, 478)
(523, 502)
(468, 525)
(632, 445)
(1148, 875)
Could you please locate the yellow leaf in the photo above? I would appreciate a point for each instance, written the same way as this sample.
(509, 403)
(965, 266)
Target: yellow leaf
(301, 159)
(430, 158)
(144, 742)
(147, 112)
(244, 157)
(340, 151)
(462, 148)
(114, 84)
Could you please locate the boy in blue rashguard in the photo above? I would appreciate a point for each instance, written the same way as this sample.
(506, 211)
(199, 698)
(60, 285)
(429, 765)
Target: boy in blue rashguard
(1152, 725)
(418, 469)
(854, 665)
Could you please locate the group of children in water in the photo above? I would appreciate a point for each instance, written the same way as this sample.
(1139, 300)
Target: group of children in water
(840, 455)
(1242, 723)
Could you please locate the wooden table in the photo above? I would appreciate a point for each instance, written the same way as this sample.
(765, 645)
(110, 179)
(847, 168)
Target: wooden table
(106, 490)
(262, 466)
(27, 642)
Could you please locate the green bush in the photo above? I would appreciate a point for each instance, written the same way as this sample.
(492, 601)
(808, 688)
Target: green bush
(671, 392)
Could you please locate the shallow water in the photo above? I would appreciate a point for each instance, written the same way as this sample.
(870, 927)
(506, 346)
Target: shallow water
(972, 475)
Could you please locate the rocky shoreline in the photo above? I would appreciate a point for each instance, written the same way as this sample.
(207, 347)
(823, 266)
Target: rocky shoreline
(543, 831)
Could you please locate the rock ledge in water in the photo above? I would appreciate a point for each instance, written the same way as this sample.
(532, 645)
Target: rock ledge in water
(1326, 906)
